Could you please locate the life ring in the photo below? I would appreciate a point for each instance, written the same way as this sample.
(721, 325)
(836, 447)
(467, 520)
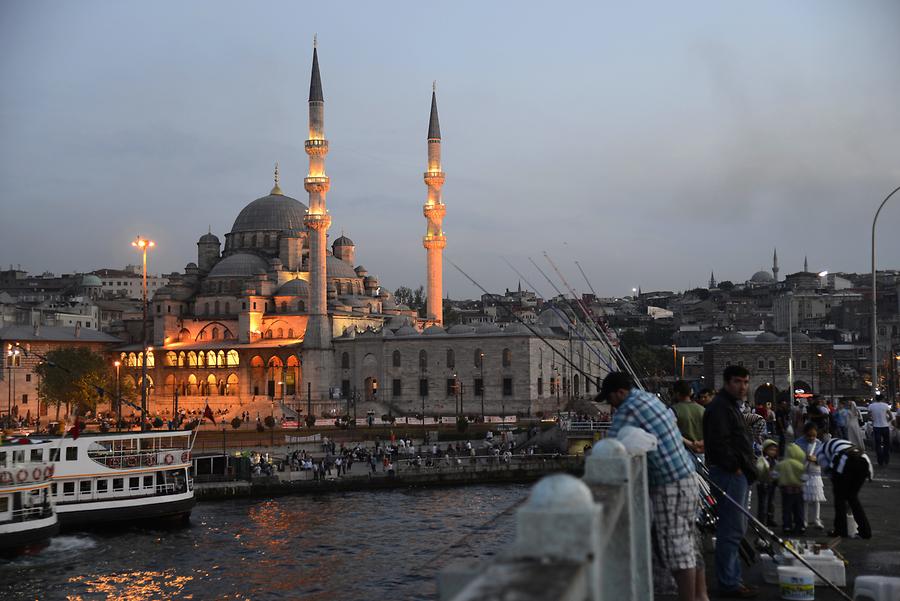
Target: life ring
(114, 462)
(48, 472)
(132, 461)
(6, 477)
(185, 457)
(150, 460)
(169, 459)
(22, 475)
(36, 473)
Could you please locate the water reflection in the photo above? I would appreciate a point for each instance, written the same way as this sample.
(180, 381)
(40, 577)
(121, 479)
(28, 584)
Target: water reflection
(133, 586)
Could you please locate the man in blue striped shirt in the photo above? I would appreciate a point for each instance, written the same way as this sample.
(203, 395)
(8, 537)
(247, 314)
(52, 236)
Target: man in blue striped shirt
(674, 492)
(849, 468)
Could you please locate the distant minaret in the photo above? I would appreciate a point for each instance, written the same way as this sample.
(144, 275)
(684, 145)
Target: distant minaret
(317, 340)
(805, 264)
(434, 240)
(712, 280)
(775, 264)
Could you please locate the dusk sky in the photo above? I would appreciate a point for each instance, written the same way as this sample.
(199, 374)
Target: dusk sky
(652, 143)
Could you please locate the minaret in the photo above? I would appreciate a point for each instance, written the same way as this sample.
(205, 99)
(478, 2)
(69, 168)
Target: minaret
(317, 341)
(775, 265)
(712, 280)
(805, 264)
(434, 240)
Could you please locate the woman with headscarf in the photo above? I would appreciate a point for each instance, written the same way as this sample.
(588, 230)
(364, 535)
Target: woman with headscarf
(854, 430)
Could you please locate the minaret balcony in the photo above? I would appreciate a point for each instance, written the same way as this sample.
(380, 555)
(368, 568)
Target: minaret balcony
(317, 221)
(434, 241)
(316, 147)
(317, 183)
(434, 212)
(434, 179)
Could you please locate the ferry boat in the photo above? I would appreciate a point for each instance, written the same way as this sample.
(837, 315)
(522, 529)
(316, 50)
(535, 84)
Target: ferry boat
(27, 516)
(103, 478)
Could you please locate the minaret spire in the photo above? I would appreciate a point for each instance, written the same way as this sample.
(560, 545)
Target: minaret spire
(805, 264)
(276, 189)
(317, 339)
(434, 240)
(775, 265)
(712, 280)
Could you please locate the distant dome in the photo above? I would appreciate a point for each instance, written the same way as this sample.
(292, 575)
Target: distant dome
(240, 265)
(733, 338)
(273, 212)
(486, 328)
(767, 337)
(90, 279)
(435, 330)
(296, 287)
(343, 241)
(460, 329)
(335, 268)
(800, 337)
(209, 238)
(360, 271)
(762, 277)
(406, 330)
(516, 328)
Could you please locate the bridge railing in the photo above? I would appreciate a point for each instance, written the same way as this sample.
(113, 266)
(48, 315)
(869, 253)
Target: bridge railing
(584, 426)
(576, 540)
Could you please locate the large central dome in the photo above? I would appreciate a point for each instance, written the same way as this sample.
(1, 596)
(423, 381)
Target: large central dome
(273, 212)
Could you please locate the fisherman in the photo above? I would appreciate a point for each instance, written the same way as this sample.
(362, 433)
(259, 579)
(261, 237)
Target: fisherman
(849, 468)
(732, 467)
(671, 477)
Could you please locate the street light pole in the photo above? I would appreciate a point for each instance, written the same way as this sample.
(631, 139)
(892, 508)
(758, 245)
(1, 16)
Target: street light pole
(143, 245)
(481, 363)
(875, 300)
(790, 297)
(118, 364)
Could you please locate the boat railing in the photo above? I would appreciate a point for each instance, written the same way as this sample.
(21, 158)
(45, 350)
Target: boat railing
(149, 458)
(35, 512)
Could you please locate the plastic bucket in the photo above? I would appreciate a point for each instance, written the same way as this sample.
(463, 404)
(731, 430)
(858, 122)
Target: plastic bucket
(797, 583)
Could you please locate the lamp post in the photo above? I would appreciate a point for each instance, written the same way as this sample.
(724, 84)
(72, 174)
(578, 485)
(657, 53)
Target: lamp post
(143, 246)
(481, 364)
(558, 386)
(874, 300)
(674, 362)
(118, 364)
(12, 357)
(790, 297)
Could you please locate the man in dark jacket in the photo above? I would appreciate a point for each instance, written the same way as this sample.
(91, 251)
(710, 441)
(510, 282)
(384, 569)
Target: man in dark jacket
(729, 456)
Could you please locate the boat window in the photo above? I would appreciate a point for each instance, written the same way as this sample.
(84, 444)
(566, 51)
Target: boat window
(85, 487)
(18, 457)
(4, 504)
(68, 488)
(71, 453)
(148, 481)
(53, 488)
(54, 454)
(134, 483)
(3, 459)
(118, 484)
(102, 486)
(37, 454)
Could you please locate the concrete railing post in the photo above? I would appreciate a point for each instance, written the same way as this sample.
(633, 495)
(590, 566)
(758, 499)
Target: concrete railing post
(627, 575)
(561, 521)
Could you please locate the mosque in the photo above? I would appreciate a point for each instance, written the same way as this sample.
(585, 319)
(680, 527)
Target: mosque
(275, 316)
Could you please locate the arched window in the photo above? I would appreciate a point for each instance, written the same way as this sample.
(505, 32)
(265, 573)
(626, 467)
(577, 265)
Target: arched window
(171, 359)
(301, 307)
(227, 308)
(268, 333)
(210, 359)
(123, 357)
(215, 333)
(253, 240)
(216, 304)
(451, 359)
(231, 386)
(150, 361)
(132, 360)
(192, 359)
(206, 308)
(220, 359)
(281, 332)
(181, 359)
(507, 357)
(423, 360)
(345, 361)
(290, 332)
(232, 359)
(396, 358)
(478, 356)
(284, 306)
(201, 335)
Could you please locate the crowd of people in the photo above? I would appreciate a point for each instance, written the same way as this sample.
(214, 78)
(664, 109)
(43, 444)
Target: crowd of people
(787, 452)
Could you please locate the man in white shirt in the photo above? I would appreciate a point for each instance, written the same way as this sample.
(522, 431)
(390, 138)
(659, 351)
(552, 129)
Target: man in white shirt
(881, 415)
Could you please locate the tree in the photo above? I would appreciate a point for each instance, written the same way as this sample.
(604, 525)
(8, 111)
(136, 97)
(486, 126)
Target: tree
(414, 299)
(75, 377)
(726, 285)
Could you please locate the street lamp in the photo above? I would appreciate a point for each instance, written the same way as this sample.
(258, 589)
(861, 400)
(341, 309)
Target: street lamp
(118, 364)
(143, 246)
(790, 297)
(12, 357)
(874, 301)
(481, 363)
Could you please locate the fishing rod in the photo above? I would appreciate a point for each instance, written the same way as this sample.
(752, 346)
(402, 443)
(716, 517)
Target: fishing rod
(524, 323)
(565, 317)
(587, 314)
(760, 527)
(594, 292)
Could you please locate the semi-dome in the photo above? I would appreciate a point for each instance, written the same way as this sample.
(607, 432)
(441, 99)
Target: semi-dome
(767, 337)
(335, 268)
(239, 265)
(435, 330)
(762, 277)
(460, 329)
(486, 328)
(295, 287)
(733, 338)
(406, 330)
(273, 212)
(89, 280)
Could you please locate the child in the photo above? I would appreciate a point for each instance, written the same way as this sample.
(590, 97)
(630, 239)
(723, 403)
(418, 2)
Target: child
(813, 488)
(790, 476)
(765, 488)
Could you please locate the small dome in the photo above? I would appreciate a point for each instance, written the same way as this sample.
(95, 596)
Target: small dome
(800, 337)
(335, 268)
(191, 265)
(762, 277)
(460, 329)
(486, 328)
(209, 238)
(273, 212)
(240, 265)
(516, 328)
(435, 330)
(406, 330)
(767, 337)
(295, 287)
(733, 338)
(361, 271)
(90, 280)
(343, 241)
